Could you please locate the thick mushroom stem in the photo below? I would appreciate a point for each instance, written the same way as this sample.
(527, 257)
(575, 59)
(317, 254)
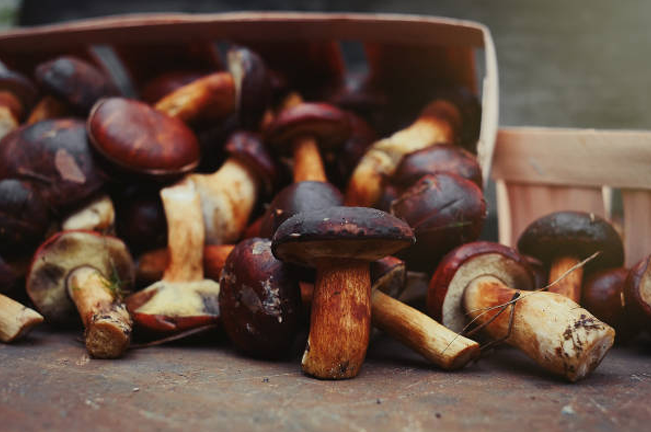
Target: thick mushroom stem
(554, 331)
(436, 343)
(570, 285)
(340, 321)
(438, 123)
(227, 198)
(49, 107)
(105, 317)
(308, 164)
(16, 320)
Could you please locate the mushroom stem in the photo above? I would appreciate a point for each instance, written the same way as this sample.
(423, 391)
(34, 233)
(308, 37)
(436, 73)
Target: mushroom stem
(98, 215)
(49, 107)
(570, 285)
(340, 321)
(16, 320)
(308, 165)
(553, 330)
(104, 315)
(437, 123)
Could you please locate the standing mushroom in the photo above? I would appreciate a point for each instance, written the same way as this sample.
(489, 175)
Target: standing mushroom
(340, 242)
(562, 240)
(479, 280)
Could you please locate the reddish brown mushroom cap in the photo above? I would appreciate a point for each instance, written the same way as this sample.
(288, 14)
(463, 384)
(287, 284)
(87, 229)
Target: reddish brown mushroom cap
(327, 123)
(249, 148)
(77, 82)
(56, 155)
(134, 137)
(356, 233)
(23, 216)
(573, 233)
(444, 211)
(60, 255)
(252, 85)
(637, 294)
(465, 263)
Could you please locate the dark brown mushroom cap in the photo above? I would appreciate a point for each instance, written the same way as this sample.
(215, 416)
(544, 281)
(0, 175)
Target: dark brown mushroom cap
(637, 294)
(444, 211)
(56, 156)
(435, 159)
(168, 82)
(389, 275)
(297, 198)
(18, 85)
(76, 81)
(469, 107)
(356, 233)
(327, 123)
(23, 216)
(259, 300)
(573, 233)
(60, 255)
(252, 85)
(462, 265)
(248, 148)
(134, 137)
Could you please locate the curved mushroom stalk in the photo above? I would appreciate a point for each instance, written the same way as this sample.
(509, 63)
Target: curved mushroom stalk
(438, 123)
(16, 320)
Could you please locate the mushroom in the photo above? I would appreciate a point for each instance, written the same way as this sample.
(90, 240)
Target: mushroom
(16, 320)
(561, 240)
(183, 299)
(17, 95)
(259, 300)
(477, 281)
(445, 211)
(140, 218)
(168, 82)
(637, 294)
(340, 242)
(90, 271)
(98, 215)
(23, 216)
(346, 159)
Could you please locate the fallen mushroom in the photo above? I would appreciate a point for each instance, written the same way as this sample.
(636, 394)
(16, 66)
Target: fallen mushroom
(17, 95)
(561, 240)
(637, 294)
(340, 242)
(487, 284)
(16, 320)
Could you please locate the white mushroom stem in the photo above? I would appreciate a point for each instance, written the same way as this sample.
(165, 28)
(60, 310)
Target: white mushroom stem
(99, 215)
(227, 199)
(383, 157)
(553, 330)
(16, 320)
(105, 317)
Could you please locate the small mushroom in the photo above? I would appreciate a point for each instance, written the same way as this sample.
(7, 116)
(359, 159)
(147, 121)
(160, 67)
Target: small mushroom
(259, 300)
(488, 283)
(17, 95)
(98, 215)
(637, 294)
(339, 242)
(16, 320)
(562, 240)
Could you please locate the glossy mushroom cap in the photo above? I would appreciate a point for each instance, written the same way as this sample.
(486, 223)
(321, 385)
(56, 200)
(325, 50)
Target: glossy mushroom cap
(23, 216)
(259, 300)
(19, 86)
(248, 148)
(327, 123)
(637, 294)
(444, 211)
(168, 82)
(298, 197)
(435, 159)
(60, 255)
(77, 82)
(56, 156)
(131, 136)
(355, 233)
(465, 263)
(573, 233)
(252, 85)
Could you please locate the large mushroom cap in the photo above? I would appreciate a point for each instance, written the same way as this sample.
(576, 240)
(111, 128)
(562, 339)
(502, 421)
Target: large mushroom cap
(23, 216)
(461, 266)
(296, 198)
(356, 233)
(573, 233)
(77, 82)
(60, 255)
(327, 123)
(135, 137)
(637, 294)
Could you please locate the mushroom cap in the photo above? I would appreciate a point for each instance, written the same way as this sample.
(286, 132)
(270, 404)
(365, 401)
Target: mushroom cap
(23, 216)
(260, 300)
(360, 139)
(168, 82)
(435, 159)
(57, 155)
(469, 108)
(461, 266)
(298, 197)
(252, 85)
(60, 255)
(573, 233)
(389, 275)
(76, 81)
(140, 218)
(444, 211)
(248, 148)
(603, 295)
(637, 294)
(132, 136)
(18, 85)
(355, 233)
(327, 123)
